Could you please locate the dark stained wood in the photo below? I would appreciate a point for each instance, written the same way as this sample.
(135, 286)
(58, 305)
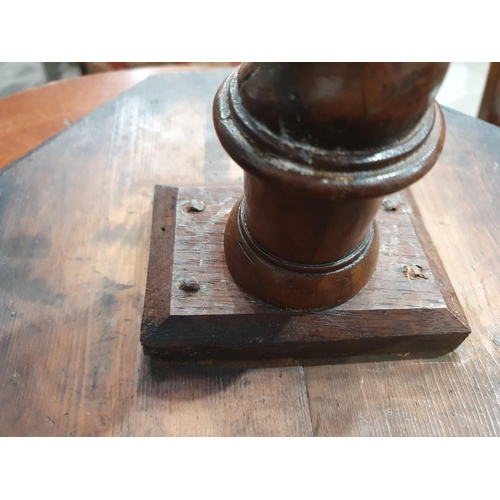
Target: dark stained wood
(159, 280)
(347, 105)
(490, 104)
(219, 320)
(321, 144)
(75, 366)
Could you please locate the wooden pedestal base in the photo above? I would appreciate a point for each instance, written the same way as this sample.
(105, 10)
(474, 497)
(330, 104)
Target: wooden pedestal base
(392, 314)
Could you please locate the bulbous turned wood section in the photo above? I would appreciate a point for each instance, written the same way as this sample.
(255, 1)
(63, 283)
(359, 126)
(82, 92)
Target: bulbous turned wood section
(321, 145)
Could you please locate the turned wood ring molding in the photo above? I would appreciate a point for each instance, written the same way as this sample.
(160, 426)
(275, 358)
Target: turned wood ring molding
(294, 285)
(321, 145)
(296, 267)
(367, 173)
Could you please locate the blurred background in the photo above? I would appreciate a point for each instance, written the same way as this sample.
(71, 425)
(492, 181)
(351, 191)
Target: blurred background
(463, 88)
(17, 76)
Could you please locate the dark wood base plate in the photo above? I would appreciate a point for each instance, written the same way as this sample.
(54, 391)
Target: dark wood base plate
(391, 315)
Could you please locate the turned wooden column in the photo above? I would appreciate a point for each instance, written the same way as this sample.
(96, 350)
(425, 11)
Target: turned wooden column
(321, 145)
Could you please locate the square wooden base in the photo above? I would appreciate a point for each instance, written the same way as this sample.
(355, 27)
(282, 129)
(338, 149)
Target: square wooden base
(391, 315)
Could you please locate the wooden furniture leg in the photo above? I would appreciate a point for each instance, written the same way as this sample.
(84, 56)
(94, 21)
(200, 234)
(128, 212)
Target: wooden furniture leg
(321, 146)
(489, 110)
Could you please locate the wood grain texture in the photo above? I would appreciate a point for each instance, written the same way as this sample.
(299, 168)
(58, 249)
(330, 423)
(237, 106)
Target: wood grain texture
(459, 393)
(159, 280)
(220, 320)
(29, 118)
(490, 104)
(74, 248)
(75, 228)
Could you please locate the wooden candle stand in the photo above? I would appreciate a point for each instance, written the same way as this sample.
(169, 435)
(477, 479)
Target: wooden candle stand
(308, 260)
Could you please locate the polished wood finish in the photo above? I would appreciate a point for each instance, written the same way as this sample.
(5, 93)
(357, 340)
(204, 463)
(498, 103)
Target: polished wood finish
(74, 366)
(490, 104)
(217, 320)
(354, 106)
(321, 144)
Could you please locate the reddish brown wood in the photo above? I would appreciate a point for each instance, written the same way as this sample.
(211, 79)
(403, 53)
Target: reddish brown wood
(355, 106)
(321, 144)
(219, 320)
(29, 118)
(490, 104)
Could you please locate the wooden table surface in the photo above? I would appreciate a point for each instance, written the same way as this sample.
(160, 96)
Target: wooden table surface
(29, 118)
(75, 220)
